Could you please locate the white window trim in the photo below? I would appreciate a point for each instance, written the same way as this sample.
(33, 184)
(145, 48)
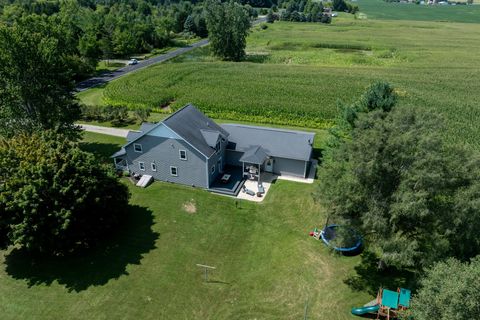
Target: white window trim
(176, 171)
(153, 166)
(140, 164)
(180, 155)
(212, 170)
(135, 149)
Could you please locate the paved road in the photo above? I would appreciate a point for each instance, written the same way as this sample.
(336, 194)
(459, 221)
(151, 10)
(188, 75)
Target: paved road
(109, 76)
(112, 75)
(105, 130)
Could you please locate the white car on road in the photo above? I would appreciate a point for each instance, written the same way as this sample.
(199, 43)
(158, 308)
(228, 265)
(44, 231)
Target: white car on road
(132, 62)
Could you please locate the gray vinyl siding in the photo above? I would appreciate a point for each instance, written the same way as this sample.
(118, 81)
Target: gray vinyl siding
(281, 166)
(233, 157)
(289, 167)
(164, 152)
(213, 161)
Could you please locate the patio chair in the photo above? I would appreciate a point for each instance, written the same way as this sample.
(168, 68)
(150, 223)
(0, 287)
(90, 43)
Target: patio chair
(247, 191)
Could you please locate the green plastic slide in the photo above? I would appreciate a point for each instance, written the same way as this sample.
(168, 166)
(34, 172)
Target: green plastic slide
(364, 310)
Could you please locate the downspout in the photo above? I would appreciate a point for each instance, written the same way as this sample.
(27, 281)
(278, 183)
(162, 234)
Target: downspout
(207, 171)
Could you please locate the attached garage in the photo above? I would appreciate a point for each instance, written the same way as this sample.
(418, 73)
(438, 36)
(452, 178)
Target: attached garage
(288, 151)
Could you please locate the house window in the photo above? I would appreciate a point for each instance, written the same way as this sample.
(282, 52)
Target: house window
(173, 171)
(154, 166)
(213, 169)
(137, 147)
(183, 154)
(141, 166)
(217, 146)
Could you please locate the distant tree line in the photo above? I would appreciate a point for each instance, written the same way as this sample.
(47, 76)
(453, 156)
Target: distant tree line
(93, 30)
(259, 3)
(305, 11)
(344, 6)
(310, 10)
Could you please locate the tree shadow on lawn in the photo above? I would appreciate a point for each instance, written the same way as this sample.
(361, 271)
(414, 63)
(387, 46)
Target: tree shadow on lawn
(102, 151)
(107, 261)
(123, 123)
(369, 278)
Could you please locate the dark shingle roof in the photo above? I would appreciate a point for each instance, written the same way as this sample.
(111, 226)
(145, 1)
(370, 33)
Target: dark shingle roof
(189, 122)
(211, 137)
(134, 135)
(281, 143)
(146, 126)
(255, 155)
(119, 153)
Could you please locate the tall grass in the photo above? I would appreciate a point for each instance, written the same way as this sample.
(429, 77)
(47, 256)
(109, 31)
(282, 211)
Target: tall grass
(298, 71)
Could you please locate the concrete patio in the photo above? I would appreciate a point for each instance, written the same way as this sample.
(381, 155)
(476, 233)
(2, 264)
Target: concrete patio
(269, 178)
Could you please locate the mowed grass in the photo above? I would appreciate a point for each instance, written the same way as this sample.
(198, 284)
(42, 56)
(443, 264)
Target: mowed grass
(297, 72)
(267, 265)
(379, 9)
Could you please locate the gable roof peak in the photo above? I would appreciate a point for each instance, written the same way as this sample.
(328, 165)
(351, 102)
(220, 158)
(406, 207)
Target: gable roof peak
(196, 129)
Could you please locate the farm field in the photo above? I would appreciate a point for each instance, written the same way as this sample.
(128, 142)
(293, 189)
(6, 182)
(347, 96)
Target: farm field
(296, 72)
(379, 9)
(267, 266)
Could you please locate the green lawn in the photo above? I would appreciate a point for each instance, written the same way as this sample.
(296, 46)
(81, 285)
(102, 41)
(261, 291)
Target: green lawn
(379, 9)
(103, 66)
(267, 266)
(296, 72)
(92, 97)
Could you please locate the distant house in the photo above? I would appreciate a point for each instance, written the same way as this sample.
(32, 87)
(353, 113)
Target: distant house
(191, 149)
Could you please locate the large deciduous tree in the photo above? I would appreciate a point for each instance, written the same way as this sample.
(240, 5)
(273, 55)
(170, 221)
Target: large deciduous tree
(414, 196)
(228, 25)
(449, 290)
(378, 96)
(36, 80)
(55, 198)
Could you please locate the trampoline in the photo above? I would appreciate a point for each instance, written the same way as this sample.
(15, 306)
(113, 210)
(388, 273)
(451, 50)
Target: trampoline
(351, 242)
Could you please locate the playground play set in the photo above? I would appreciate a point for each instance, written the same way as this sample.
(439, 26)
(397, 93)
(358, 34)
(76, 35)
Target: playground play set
(388, 303)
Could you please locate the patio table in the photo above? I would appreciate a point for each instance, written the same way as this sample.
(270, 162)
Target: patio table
(225, 178)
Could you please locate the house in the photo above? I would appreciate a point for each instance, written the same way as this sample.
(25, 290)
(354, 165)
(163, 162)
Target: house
(191, 149)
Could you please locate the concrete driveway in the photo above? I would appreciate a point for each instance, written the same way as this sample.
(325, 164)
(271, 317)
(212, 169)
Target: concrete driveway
(105, 130)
